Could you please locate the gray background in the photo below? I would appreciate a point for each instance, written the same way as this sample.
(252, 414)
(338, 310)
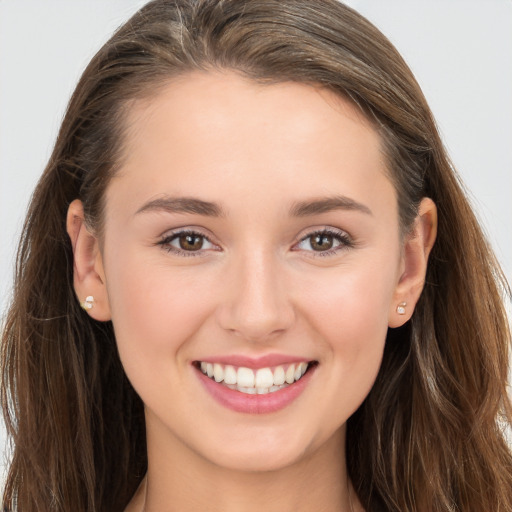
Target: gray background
(459, 50)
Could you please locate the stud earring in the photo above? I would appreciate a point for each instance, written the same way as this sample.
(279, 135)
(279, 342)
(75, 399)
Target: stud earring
(88, 303)
(400, 309)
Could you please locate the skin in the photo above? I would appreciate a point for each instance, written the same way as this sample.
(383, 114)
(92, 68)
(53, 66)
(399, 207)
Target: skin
(258, 287)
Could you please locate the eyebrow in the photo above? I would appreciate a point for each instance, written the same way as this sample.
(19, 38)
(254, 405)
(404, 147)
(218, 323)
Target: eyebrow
(209, 209)
(327, 204)
(182, 205)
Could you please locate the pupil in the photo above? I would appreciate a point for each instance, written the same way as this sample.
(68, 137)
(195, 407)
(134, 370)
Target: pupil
(191, 242)
(322, 242)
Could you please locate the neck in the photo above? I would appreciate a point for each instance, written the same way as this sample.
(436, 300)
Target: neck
(180, 479)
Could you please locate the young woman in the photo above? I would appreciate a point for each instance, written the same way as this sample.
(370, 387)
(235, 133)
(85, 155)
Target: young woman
(249, 279)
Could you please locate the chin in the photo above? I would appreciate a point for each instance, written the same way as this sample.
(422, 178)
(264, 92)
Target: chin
(266, 452)
(257, 460)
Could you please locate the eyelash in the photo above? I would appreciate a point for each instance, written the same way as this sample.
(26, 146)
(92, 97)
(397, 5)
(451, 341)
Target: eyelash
(345, 242)
(165, 243)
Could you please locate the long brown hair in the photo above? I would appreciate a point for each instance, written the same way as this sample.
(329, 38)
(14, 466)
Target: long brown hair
(430, 435)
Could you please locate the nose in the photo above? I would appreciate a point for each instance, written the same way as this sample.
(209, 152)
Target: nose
(256, 304)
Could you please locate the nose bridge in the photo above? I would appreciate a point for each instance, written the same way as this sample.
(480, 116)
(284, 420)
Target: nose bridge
(257, 304)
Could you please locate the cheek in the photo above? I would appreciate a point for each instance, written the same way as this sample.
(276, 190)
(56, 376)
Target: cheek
(350, 301)
(350, 316)
(154, 312)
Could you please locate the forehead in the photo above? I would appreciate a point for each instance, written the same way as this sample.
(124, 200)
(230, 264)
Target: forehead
(197, 102)
(211, 133)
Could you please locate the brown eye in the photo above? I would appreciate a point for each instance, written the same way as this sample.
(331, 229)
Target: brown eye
(188, 243)
(321, 242)
(325, 243)
(191, 242)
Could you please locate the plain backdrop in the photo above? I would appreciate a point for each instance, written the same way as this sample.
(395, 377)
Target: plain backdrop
(459, 50)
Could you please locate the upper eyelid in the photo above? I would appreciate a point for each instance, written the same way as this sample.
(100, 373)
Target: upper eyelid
(325, 229)
(170, 233)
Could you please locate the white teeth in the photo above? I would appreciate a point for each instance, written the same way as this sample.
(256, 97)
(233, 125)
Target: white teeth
(229, 375)
(252, 382)
(264, 378)
(300, 370)
(290, 374)
(260, 391)
(245, 377)
(247, 391)
(279, 376)
(218, 372)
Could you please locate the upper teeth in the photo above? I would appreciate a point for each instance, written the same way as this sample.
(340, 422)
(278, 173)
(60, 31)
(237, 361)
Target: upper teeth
(241, 377)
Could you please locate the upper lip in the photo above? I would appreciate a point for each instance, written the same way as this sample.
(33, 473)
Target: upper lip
(265, 361)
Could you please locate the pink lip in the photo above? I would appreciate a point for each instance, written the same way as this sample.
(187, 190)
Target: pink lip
(255, 404)
(254, 363)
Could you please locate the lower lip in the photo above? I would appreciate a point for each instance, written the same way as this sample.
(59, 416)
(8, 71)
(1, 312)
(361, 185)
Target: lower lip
(255, 404)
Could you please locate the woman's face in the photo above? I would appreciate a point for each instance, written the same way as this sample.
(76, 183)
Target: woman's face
(250, 226)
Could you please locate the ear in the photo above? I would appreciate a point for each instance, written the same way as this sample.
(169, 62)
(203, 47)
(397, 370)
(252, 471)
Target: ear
(88, 275)
(416, 250)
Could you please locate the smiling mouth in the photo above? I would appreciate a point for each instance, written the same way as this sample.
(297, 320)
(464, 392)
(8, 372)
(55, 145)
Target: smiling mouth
(255, 382)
